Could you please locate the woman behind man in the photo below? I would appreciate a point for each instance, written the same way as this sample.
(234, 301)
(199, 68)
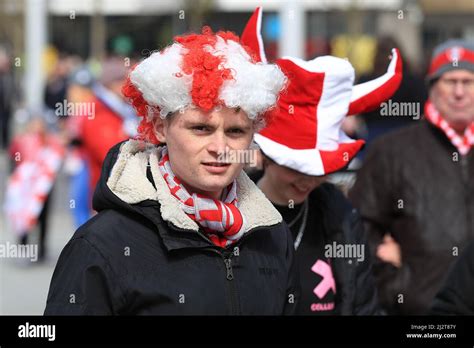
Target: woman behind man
(302, 144)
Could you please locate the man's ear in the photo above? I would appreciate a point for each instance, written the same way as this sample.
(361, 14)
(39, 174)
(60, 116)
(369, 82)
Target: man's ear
(159, 128)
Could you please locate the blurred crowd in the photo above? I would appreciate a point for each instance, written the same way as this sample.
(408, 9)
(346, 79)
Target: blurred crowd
(84, 115)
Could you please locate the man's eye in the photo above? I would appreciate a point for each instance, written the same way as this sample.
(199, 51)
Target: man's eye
(236, 131)
(200, 128)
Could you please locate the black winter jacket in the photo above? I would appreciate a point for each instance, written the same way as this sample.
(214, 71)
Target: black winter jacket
(332, 217)
(142, 255)
(457, 295)
(357, 292)
(415, 185)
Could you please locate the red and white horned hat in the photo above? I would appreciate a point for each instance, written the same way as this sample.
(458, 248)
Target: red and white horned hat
(205, 71)
(305, 134)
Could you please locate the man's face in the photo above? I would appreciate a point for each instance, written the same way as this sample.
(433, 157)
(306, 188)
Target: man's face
(288, 184)
(453, 96)
(195, 140)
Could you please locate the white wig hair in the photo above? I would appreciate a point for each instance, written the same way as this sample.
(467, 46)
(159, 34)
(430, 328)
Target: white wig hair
(254, 87)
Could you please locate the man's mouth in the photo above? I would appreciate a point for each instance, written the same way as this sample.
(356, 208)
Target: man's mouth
(216, 168)
(216, 164)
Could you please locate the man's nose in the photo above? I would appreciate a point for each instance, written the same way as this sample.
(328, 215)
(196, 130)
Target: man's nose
(218, 143)
(459, 89)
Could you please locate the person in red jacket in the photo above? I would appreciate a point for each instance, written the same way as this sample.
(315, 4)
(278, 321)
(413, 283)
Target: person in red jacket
(113, 119)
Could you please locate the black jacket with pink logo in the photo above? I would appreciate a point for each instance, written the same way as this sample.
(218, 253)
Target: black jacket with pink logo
(335, 244)
(334, 279)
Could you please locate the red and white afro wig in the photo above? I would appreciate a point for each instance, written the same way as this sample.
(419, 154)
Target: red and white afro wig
(205, 70)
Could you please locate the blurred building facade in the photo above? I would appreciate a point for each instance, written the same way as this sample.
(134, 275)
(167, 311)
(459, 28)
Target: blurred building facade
(94, 28)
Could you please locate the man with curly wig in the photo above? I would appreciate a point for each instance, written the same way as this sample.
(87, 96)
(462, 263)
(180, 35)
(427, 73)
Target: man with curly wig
(179, 230)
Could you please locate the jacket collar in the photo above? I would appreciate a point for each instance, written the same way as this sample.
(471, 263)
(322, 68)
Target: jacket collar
(129, 182)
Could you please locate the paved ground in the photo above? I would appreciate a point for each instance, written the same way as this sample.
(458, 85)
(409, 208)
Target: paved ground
(23, 284)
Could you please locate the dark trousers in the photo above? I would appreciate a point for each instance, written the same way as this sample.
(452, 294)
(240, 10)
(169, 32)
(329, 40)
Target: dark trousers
(43, 228)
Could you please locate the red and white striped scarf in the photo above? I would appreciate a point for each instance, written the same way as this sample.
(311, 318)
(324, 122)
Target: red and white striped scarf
(462, 143)
(221, 220)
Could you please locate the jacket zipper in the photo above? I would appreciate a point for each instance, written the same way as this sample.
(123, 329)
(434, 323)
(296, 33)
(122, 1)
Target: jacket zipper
(234, 305)
(234, 299)
(229, 276)
(228, 265)
(465, 181)
(464, 172)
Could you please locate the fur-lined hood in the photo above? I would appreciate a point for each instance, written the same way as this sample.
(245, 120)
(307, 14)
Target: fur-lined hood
(127, 180)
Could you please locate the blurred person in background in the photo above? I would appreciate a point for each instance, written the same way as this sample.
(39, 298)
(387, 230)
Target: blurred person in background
(57, 81)
(7, 92)
(415, 188)
(412, 90)
(301, 145)
(38, 155)
(178, 230)
(112, 119)
(79, 91)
